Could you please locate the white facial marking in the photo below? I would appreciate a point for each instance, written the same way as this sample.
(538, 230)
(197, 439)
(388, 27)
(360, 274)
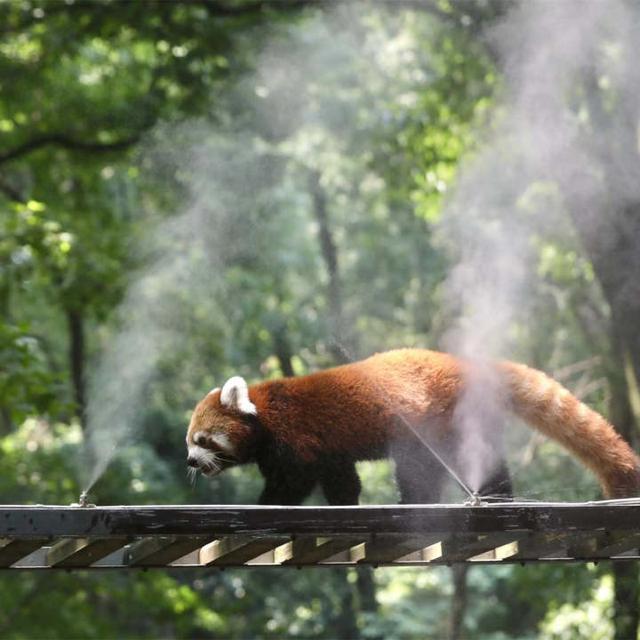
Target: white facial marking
(222, 440)
(198, 452)
(235, 395)
(199, 437)
(208, 462)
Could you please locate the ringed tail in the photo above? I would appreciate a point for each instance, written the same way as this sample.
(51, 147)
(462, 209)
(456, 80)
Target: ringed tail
(548, 407)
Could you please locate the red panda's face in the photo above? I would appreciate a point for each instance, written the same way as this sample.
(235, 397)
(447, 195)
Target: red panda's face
(220, 432)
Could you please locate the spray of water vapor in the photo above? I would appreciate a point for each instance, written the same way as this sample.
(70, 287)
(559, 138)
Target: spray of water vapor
(236, 212)
(551, 53)
(188, 252)
(559, 59)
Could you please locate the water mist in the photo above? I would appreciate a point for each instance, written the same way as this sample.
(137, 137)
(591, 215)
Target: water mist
(187, 255)
(547, 52)
(553, 56)
(247, 197)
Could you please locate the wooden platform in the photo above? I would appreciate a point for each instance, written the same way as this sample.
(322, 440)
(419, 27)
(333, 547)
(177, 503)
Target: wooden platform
(52, 537)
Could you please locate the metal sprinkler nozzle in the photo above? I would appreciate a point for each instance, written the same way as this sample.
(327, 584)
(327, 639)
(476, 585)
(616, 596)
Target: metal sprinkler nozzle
(474, 500)
(83, 501)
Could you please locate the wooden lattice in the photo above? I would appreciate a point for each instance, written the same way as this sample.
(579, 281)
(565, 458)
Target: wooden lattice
(44, 537)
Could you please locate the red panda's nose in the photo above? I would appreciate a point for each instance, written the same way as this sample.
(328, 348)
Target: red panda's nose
(192, 462)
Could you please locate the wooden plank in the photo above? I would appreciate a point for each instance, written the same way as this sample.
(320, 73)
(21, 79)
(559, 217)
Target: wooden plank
(584, 544)
(35, 560)
(12, 550)
(161, 551)
(618, 544)
(535, 546)
(311, 535)
(81, 552)
(191, 559)
(114, 559)
(385, 548)
(502, 554)
(306, 550)
(545, 545)
(237, 550)
(459, 548)
(422, 556)
(34, 522)
(579, 545)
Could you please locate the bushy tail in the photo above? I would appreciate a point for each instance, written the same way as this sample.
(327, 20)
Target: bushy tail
(546, 405)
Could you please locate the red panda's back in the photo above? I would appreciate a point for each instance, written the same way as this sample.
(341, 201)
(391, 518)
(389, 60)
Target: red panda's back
(354, 408)
(414, 382)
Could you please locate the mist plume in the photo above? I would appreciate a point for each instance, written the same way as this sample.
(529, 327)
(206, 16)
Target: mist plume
(544, 133)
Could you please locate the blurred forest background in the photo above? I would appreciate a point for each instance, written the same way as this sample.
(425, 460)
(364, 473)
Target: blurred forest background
(192, 190)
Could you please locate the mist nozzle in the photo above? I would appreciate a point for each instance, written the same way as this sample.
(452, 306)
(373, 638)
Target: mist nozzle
(83, 501)
(474, 500)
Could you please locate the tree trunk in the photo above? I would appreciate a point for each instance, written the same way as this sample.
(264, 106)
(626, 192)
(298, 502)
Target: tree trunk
(626, 615)
(459, 601)
(283, 352)
(75, 325)
(341, 343)
(6, 423)
(347, 623)
(339, 340)
(367, 593)
(625, 601)
(611, 237)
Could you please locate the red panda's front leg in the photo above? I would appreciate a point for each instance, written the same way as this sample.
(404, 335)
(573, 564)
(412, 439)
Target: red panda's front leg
(287, 489)
(287, 481)
(340, 482)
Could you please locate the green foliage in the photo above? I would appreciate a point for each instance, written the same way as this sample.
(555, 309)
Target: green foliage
(590, 618)
(27, 386)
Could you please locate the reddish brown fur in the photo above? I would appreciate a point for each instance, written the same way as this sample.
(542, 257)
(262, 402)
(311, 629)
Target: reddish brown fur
(351, 411)
(545, 404)
(375, 391)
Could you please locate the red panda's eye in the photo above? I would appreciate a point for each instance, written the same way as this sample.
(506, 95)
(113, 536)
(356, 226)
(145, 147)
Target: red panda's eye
(200, 440)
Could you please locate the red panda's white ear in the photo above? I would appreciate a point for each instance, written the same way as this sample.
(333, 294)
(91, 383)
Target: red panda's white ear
(235, 395)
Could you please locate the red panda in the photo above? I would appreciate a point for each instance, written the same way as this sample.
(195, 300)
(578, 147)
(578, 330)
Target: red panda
(310, 430)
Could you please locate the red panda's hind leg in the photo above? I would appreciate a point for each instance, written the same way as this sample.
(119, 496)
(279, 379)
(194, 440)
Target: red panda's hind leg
(498, 486)
(419, 475)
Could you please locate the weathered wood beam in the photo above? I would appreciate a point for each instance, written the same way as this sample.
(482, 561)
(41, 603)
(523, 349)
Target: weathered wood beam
(34, 522)
(283, 536)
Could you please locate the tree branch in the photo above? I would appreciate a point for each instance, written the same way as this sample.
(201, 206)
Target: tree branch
(219, 9)
(10, 192)
(223, 10)
(67, 142)
(215, 8)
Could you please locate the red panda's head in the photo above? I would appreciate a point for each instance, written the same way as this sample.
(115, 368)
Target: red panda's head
(222, 428)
